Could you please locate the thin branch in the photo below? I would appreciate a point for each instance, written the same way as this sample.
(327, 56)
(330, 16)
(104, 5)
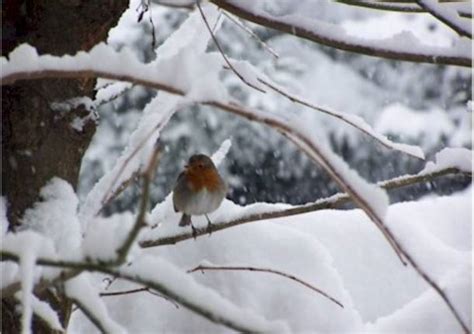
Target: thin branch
(121, 293)
(360, 46)
(90, 315)
(140, 220)
(396, 7)
(400, 6)
(316, 153)
(348, 119)
(216, 42)
(266, 270)
(153, 34)
(251, 33)
(146, 289)
(335, 201)
(88, 73)
(440, 292)
(108, 198)
(113, 191)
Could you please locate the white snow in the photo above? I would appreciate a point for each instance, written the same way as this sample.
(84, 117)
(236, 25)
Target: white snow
(135, 156)
(400, 42)
(3, 215)
(221, 153)
(448, 14)
(80, 288)
(426, 126)
(341, 252)
(44, 311)
(460, 158)
(375, 198)
(103, 237)
(28, 251)
(55, 217)
(177, 283)
(389, 24)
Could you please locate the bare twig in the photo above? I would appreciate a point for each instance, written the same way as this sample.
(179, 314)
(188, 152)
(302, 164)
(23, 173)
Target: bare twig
(124, 292)
(382, 5)
(124, 185)
(216, 42)
(438, 290)
(153, 34)
(128, 292)
(140, 220)
(360, 46)
(365, 128)
(315, 151)
(90, 315)
(266, 270)
(251, 33)
(111, 193)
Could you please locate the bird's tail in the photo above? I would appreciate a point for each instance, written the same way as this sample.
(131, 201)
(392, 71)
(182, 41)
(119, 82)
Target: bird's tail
(185, 220)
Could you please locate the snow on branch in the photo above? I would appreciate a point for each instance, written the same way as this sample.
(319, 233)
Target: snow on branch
(163, 277)
(64, 67)
(85, 296)
(400, 47)
(396, 7)
(253, 78)
(263, 211)
(448, 16)
(216, 42)
(357, 122)
(44, 311)
(368, 197)
(124, 249)
(409, 6)
(134, 158)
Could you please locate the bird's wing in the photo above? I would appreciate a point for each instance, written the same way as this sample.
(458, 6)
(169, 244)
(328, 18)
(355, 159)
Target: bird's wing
(179, 182)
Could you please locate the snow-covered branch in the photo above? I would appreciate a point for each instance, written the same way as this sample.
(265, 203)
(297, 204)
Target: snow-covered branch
(448, 16)
(142, 74)
(122, 252)
(217, 44)
(172, 283)
(403, 47)
(271, 211)
(408, 6)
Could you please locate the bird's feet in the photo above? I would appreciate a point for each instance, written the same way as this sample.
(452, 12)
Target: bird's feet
(209, 226)
(194, 231)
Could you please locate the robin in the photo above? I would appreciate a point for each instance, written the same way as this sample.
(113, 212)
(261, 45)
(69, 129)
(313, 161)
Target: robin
(199, 190)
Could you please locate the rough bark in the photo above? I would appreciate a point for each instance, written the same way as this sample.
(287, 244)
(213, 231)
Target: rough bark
(38, 142)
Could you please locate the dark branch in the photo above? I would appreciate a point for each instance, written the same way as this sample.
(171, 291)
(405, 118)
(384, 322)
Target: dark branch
(216, 42)
(332, 202)
(270, 271)
(360, 47)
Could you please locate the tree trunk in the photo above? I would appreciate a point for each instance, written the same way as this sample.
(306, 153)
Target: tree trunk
(38, 141)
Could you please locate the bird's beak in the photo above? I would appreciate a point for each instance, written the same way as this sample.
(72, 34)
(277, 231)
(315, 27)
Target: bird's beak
(186, 167)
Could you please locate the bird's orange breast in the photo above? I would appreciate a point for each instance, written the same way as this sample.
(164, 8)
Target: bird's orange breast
(203, 178)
